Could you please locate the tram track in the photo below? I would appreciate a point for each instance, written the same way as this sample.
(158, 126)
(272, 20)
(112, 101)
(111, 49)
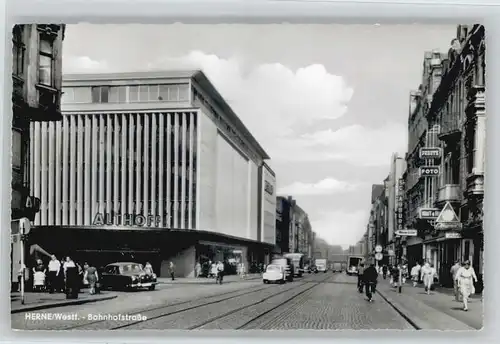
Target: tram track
(237, 313)
(212, 299)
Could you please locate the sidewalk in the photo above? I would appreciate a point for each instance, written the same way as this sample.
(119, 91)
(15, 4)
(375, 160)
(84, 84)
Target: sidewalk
(437, 311)
(204, 280)
(38, 301)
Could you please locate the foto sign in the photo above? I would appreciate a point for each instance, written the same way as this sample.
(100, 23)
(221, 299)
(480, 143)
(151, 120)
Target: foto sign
(428, 213)
(406, 232)
(430, 153)
(378, 248)
(429, 171)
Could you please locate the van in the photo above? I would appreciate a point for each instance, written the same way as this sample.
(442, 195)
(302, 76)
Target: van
(287, 264)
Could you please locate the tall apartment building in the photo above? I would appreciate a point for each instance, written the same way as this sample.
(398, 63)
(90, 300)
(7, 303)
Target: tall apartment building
(419, 190)
(458, 107)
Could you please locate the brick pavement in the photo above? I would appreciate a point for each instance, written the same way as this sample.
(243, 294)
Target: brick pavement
(335, 305)
(429, 312)
(127, 303)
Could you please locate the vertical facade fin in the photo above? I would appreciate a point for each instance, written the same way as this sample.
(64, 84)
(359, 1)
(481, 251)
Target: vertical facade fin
(80, 170)
(87, 167)
(183, 166)
(65, 168)
(139, 162)
(175, 166)
(44, 165)
(154, 182)
(124, 167)
(146, 176)
(116, 170)
(72, 173)
(109, 161)
(131, 164)
(161, 168)
(59, 169)
(191, 168)
(168, 163)
(102, 164)
(51, 162)
(94, 199)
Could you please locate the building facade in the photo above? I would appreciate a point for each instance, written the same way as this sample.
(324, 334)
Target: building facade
(36, 81)
(293, 228)
(458, 108)
(156, 153)
(36, 90)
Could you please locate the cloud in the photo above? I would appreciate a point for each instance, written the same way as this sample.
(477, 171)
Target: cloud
(271, 99)
(340, 227)
(84, 64)
(354, 144)
(326, 186)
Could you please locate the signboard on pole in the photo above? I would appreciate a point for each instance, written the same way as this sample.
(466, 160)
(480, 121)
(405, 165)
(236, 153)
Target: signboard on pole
(406, 232)
(429, 171)
(448, 219)
(379, 256)
(430, 153)
(378, 248)
(428, 213)
(400, 204)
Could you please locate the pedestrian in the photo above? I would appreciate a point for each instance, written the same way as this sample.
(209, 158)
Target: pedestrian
(370, 277)
(213, 270)
(148, 269)
(171, 269)
(92, 278)
(361, 282)
(384, 271)
(395, 276)
(39, 276)
(197, 270)
(466, 276)
(453, 272)
(53, 273)
(415, 273)
(220, 272)
(86, 283)
(428, 273)
(72, 281)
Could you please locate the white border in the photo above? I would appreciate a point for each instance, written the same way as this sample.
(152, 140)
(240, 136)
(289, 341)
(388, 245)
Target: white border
(261, 11)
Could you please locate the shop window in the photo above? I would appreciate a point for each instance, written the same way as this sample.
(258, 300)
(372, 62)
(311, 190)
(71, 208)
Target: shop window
(46, 61)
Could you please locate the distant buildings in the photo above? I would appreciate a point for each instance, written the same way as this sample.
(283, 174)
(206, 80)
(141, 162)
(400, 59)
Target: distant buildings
(293, 228)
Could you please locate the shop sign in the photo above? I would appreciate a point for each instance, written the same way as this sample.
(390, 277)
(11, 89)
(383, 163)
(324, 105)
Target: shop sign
(429, 171)
(400, 205)
(448, 219)
(269, 188)
(390, 253)
(452, 235)
(237, 251)
(137, 220)
(430, 153)
(429, 213)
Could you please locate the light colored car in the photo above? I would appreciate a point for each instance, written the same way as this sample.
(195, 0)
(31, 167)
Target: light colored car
(274, 274)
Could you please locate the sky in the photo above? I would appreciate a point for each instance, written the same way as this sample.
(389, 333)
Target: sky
(329, 103)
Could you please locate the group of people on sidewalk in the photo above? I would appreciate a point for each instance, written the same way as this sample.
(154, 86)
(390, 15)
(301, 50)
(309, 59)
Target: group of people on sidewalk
(463, 276)
(56, 276)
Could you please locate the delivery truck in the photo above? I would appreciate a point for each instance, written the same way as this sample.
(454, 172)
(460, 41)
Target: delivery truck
(337, 267)
(353, 264)
(320, 265)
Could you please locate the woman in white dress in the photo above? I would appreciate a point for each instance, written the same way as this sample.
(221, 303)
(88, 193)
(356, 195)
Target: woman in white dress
(466, 276)
(428, 277)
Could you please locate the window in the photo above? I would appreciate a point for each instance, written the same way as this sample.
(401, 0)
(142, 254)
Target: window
(153, 93)
(82, 95)
(16, 149)
(133, 93)
(143, 93)
(100, 94)
(18, 50)
(118, 94)
(46, 61)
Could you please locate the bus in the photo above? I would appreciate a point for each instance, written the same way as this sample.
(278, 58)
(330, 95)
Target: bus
(298, 260)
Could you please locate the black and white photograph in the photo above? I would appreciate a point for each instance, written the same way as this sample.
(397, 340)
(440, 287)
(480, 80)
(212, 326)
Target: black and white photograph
(247, 177)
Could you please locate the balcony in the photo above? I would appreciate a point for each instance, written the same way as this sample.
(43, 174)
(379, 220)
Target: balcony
(448, 193)
(475, 184)
(451, 127)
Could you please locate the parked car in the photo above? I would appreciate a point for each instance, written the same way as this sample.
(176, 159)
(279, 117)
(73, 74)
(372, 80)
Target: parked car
(124, 276)
(274, 274)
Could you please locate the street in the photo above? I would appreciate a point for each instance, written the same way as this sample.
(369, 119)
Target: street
(317, 301)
